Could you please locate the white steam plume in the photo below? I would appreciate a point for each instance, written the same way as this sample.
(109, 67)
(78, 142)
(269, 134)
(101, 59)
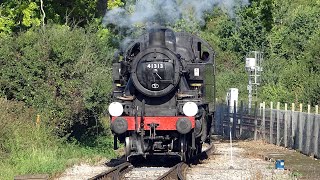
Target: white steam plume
(166, 12)
(147, 13)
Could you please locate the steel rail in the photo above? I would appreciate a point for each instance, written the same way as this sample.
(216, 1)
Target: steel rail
(179, 171)
(176, 172)
(115, 173)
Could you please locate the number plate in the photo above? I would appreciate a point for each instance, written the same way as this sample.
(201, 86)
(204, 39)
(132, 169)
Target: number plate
(155, 66)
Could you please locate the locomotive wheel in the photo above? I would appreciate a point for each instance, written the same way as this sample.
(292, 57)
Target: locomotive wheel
(127, 148)
(190, 152)
(187, 154)
(198, 147)
(183, 148)
(186, 149)
(184, 157)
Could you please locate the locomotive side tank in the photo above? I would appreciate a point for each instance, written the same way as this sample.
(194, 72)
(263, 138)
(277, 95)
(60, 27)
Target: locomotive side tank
(164, 92)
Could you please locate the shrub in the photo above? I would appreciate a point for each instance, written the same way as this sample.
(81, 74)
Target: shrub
(63, 72)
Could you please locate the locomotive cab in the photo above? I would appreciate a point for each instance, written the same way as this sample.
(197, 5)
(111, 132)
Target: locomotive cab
(163, 95)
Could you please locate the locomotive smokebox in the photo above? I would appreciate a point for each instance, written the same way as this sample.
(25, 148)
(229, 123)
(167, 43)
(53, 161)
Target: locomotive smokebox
(157, 37)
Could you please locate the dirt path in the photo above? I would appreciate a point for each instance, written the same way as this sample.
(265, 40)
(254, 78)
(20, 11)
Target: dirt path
(241, 166)
(302, 166)
(83, 171)
(246, 163)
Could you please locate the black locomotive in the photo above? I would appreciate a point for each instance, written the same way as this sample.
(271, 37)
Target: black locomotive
(164, 93)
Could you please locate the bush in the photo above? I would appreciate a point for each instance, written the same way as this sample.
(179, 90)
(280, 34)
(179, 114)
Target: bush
(63, 72)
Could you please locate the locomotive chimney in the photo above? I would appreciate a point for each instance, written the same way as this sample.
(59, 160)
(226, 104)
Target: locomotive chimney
(157, 37)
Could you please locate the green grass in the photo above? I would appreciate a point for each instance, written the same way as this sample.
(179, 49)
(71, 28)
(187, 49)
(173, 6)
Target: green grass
(35, 151)
(28, 149)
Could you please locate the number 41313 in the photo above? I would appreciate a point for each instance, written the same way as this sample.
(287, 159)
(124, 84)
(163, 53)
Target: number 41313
(155, 66)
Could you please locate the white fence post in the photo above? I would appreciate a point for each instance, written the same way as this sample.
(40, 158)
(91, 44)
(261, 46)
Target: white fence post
(293, 127)
(308, 133)
(264, 120)
(278, 123)
(285, 125)
(271, 123)
(301, 128)
(316, 135)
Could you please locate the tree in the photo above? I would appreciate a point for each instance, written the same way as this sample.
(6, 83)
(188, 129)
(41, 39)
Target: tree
(293, 57)
(18, 15)
(114, 4)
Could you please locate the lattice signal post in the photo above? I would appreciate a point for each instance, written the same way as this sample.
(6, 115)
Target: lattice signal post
(253, 67)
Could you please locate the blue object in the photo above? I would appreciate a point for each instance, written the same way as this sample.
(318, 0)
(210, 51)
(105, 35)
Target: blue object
(280, 164)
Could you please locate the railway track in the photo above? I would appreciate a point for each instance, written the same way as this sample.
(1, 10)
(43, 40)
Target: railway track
(115, 173)
(178, 171)
(203, 155)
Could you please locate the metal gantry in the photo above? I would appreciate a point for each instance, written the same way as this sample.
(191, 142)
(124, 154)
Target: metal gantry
(253, 67)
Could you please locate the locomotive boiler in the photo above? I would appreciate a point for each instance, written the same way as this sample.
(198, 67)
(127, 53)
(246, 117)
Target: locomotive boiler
(164, 93)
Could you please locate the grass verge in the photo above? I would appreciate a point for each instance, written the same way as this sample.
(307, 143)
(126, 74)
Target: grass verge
(26, 148)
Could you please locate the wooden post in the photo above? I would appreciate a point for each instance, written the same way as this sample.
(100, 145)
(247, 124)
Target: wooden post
(289, 127)
(38, 121)
(216, 119)
(317, 109)
(308, 133)
(271, 123)
(278, 123)
(316, 135)
(264, 120)
(255, 120)
(300, 128)
(241, 119)
(293, 126)
(292, 107)
(221, 119)
(285, 125)
(235, 120)
(32, 177)
(228, 120)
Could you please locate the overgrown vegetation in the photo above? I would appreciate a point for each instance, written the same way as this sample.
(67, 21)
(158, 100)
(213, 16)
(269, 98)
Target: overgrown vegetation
(62, 72)
(59, 67)
(27, 147)
(64, 75)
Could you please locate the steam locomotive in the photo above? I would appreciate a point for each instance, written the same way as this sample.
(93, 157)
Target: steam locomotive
(164, 95)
